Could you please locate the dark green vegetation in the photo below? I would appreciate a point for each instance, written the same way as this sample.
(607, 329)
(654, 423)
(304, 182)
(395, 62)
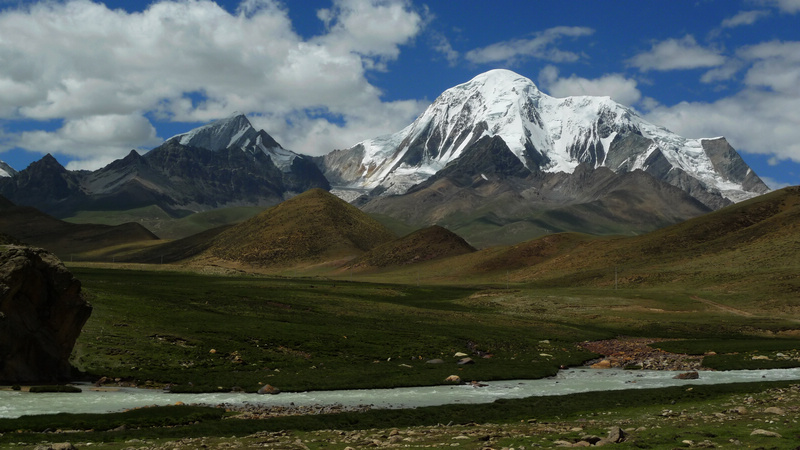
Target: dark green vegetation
(728, 354)
(208, 333)
(204, 332)
(144, 417)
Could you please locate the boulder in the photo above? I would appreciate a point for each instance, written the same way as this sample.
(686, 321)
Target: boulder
(434, 361)
(766, 433)
(42, 312)
(453, 379)
(615, 435)
(464, 361)
(604, 364)
(269, 389)
(687, 376)
(775, 410)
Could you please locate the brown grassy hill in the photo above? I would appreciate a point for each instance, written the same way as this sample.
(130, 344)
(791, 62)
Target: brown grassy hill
(313, 227)
(744, 247)
(422, 245)
(172, 251)
(36, 228)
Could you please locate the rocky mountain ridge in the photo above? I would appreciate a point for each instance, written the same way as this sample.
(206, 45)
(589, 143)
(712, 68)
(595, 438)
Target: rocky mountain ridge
(225, 163)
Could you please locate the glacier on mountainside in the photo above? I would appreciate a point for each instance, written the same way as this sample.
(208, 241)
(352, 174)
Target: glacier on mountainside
(546, 134)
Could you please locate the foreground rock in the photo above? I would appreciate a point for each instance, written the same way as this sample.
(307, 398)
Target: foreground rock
(41, 315)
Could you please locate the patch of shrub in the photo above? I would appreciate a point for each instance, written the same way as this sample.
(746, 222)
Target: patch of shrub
(162, 416)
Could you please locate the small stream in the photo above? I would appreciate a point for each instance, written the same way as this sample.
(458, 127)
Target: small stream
(111, 399)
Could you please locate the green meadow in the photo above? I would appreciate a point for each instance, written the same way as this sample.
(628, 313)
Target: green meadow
(201, 332)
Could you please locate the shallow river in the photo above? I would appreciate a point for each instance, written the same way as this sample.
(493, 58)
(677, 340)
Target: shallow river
(102, 400)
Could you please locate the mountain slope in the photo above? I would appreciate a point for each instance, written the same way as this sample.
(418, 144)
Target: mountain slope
(545, 134)
(422, 245)
(35, 228)
(313, 227)
(488, 197)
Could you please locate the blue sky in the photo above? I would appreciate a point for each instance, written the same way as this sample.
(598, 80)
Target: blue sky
(89, 81)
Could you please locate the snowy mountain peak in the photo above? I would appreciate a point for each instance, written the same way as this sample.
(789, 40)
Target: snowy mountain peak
(498, 83)
(236, 131)
(6, 170)
(545, 133)
(233, 131)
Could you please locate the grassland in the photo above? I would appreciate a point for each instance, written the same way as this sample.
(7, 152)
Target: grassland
(212, 332)
(223, 331)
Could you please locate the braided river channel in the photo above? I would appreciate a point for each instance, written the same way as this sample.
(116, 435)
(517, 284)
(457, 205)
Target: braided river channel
(112, 399)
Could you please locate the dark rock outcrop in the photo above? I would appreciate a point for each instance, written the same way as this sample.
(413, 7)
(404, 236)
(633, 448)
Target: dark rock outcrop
(41, 315)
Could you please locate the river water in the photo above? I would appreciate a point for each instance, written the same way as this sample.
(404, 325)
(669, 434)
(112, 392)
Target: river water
(106, 399)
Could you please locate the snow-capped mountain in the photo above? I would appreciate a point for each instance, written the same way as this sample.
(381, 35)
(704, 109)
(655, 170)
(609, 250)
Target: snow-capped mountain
(236, 131)
(546, 134)
(6, 170)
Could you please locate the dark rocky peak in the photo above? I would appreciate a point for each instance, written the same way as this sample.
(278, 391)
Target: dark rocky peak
(131, 160)
(45, 178)
(48, 163)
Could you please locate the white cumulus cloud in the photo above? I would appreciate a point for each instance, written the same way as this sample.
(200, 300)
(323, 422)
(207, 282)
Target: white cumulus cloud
(541, 46)
(620, 89)
(191, 60)
(787, 6)
(744, 18)
(96, 140)
(762, 118)
(677, 54)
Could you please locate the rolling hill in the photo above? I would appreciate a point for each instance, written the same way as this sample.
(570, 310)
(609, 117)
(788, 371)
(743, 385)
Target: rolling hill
(36, 228)
(748, 246)
(315, 227)
(427, 244)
